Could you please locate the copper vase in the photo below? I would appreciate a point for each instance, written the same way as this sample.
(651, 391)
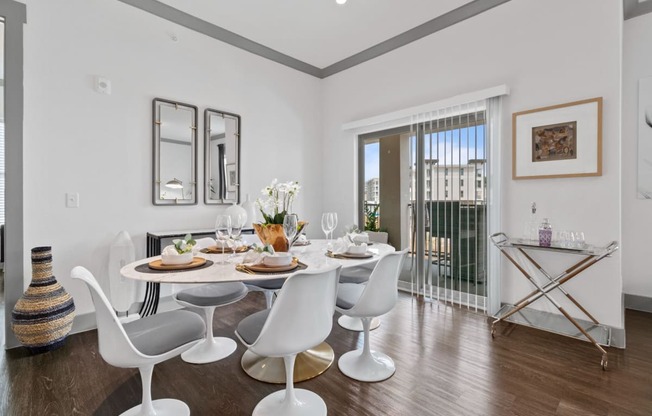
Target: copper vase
(272, 234)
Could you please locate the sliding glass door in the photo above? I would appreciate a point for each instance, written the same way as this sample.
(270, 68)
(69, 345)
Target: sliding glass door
(426, 185)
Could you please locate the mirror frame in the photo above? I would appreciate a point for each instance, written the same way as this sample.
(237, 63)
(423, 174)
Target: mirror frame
(207, 158)
(156, 133)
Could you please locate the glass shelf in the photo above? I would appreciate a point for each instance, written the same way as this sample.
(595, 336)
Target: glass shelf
(557, 324)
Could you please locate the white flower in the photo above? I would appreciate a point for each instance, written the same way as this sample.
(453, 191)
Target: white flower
(280, 196)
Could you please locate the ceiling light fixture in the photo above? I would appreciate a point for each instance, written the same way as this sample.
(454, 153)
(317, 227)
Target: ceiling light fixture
(340, 1)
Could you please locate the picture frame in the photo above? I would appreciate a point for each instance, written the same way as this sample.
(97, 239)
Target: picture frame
(231, 178)
(559, 141)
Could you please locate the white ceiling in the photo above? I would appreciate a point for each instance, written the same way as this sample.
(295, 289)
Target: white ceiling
(318, 32)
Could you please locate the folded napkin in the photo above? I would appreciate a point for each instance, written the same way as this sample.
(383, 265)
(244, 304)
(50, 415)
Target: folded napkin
(358, 238)
(344, 244)
(253, 257)
(170, 251)
(204, 243)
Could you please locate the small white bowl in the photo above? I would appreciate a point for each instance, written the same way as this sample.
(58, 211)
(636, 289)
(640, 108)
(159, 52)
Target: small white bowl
(361, 249)
(171, 260)
(278, 259)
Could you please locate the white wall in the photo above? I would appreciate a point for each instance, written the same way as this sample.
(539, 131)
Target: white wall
(637, 213)
(77, 140)
(546, 53)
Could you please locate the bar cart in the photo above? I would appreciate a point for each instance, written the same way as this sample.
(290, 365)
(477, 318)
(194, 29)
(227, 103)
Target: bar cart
(592, 330)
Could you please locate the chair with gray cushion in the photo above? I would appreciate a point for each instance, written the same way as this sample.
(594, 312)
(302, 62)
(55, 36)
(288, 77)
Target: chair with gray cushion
(300, 319)
(360, 275)
(142, 344)
(377, 297)
(203, 300)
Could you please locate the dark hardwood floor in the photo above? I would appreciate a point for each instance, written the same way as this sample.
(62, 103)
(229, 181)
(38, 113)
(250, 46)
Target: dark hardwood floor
(447, 364)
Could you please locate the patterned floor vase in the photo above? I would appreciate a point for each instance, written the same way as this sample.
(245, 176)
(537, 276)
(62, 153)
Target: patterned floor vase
(42, 317)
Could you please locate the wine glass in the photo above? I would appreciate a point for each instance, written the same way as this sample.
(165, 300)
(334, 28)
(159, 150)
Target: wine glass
(325, 223)
(333, 222)
(223, 231)
(237, 222)
(290, 224)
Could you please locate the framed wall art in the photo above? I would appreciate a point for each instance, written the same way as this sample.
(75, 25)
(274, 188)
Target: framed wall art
(560, 141)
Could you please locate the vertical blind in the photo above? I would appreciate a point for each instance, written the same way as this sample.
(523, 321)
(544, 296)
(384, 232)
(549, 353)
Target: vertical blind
(2, 171)
(449, 193)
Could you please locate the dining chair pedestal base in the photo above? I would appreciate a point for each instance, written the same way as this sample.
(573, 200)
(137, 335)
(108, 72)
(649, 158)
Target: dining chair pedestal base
(309, 364)
(310, 404)
(207, 352)
(162, 407)
(374, 366)
(355, 324)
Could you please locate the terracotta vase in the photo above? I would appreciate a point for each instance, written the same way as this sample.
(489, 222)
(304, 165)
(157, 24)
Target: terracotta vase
(42, 317)
(272, 234)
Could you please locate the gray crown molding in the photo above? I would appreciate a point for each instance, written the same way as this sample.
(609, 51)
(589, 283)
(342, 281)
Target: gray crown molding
(186, 20)
(451, 18)
(216, 32)
(634, 8)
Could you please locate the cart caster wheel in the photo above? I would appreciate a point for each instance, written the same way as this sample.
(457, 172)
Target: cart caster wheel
(604, 363)
(493, 332)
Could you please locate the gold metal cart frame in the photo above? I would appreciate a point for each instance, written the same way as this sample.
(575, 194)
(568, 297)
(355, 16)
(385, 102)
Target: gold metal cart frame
(593, 255)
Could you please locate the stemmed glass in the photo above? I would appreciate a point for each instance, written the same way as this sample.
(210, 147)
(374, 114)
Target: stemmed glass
(223, 232)
(326, 223)
(290, 224)
(237, 222)
(333, 222)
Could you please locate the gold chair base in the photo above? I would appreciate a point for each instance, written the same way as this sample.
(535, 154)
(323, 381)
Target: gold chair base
(309, 364)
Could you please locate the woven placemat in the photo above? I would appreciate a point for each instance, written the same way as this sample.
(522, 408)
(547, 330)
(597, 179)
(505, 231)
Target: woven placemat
(301, 266)
(144, 268)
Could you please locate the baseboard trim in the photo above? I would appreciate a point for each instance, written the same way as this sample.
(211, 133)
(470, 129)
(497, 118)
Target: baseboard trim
(638, 303)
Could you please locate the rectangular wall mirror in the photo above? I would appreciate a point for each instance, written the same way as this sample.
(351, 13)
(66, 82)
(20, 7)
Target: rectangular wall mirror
(222, 157)
(175, 153)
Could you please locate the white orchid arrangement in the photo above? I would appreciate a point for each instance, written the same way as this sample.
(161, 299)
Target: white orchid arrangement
(184, 245)
(278, 200)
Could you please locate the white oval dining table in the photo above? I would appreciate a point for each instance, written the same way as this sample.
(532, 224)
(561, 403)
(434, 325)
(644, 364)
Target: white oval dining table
(310, 363)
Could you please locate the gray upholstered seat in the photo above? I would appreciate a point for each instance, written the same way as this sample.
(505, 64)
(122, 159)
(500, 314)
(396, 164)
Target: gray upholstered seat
(270, 284)
(163, 332)
(348, 294)
(249, 328)
(213, 294)
(359, 274)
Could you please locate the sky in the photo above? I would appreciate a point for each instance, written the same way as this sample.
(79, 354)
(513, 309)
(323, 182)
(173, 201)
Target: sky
(454, 146)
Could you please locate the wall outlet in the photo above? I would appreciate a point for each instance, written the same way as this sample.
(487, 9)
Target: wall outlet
(72, 200)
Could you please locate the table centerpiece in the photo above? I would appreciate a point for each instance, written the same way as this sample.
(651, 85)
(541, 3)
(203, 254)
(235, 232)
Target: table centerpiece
(276, 204)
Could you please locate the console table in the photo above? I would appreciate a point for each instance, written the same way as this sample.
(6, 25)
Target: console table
(592, 330)
(156, 240)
